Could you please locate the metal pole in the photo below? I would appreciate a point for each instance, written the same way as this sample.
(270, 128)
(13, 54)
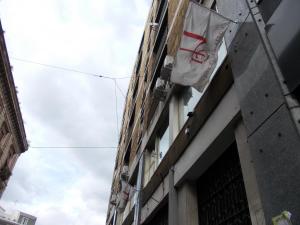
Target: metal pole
(137, 210)
(115, 217)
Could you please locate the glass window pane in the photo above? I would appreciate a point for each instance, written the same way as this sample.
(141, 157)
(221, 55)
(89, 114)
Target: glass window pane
(190, 98)
(164, 144)
(221, 56)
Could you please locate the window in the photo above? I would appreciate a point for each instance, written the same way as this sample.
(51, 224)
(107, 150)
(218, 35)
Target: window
(222, 53)
(214, 5)
(163, 144)
(156, 151)
(161, 37)
(127, 155)
(132, 117)
(139, 64)
(189, 99)
(146, 73)
(3, 131)
(136, 87)
(24, 220)
(151, 162)
(162, 5)
(222, 50)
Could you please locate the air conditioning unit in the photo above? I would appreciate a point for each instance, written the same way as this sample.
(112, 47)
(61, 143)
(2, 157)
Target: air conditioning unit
(154, 26)
(160, 91)
(165, 72)
(123, 196)
(124, 174)
(113, 199)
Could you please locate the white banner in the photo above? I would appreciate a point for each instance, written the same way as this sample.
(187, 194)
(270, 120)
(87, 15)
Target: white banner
(197, 55)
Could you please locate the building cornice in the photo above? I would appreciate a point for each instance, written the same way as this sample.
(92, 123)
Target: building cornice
(11, 97)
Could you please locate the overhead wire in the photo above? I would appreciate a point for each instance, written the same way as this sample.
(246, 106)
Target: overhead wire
(114, 79)
(122, 93)
(116, 99)
(73, 147)
(68, 69)
(75, 71)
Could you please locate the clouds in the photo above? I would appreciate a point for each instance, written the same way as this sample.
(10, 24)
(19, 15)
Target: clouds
(62, 108)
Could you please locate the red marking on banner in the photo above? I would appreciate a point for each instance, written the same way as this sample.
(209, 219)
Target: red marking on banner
(198, 55)
(198, 61)
(195, 36)
(192, 51)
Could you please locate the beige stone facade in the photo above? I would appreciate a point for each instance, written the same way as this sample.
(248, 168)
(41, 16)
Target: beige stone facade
(207, 158)
(12, 133)
(161, 37)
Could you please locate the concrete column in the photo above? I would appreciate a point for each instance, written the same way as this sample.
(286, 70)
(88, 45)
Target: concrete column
(173, 214)
(254, 201)
(119, 218)
(173, 118)
(188, 204)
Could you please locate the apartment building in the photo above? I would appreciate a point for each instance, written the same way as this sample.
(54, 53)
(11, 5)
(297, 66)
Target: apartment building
(228, 155)
(16, 218)
(12, 133)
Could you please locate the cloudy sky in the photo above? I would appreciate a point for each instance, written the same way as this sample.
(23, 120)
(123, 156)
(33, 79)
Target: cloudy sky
(61, 108)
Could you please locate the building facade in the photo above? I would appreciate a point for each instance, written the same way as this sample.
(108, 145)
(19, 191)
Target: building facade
(16, 218)
(12, 133)
(228, 155)
(26, 219)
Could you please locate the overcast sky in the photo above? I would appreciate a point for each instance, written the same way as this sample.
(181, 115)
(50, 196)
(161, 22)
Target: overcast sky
(60, 108)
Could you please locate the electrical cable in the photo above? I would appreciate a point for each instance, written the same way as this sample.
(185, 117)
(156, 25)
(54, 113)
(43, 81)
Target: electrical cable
(120, 89)
(73, 147)
(74, 70)
(67, 69)
(114, 79)
(117, 119)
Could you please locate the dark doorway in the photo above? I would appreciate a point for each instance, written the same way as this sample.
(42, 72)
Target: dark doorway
(161, 217)
(222, 197)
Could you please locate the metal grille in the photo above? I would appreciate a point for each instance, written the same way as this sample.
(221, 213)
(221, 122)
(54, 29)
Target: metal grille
(221, 193)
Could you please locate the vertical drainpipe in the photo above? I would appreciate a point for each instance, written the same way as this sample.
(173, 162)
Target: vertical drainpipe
(137, 210)
(115, 216)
